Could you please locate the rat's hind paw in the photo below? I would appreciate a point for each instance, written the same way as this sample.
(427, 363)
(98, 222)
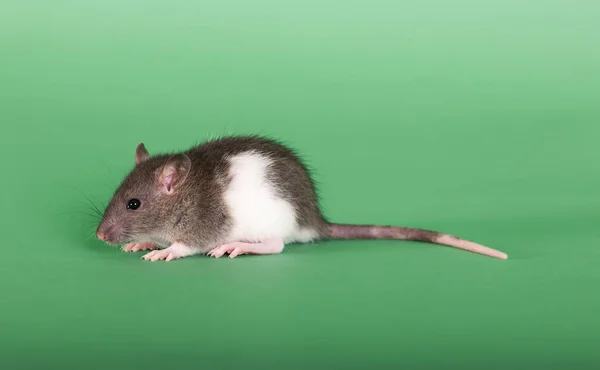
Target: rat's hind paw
(175, 251)
(161, 254)
(272, 246)
(134, 247)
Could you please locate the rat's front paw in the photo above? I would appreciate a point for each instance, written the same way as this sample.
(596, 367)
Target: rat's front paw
(135, 247)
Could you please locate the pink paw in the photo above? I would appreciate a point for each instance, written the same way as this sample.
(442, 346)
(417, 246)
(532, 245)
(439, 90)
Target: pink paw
(161, 254)
(175, 251)
(235, 249)
(134, 247)
(231, 248)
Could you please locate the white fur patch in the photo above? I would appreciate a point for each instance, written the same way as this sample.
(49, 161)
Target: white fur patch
(258, 213)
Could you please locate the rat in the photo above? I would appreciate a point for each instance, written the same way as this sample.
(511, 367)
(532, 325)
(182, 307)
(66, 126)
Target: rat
(232, 195)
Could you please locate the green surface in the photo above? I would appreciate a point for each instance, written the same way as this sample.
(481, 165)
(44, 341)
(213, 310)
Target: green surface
(480, 119)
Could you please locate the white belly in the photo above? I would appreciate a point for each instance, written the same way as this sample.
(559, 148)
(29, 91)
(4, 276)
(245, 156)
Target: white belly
(257, 212)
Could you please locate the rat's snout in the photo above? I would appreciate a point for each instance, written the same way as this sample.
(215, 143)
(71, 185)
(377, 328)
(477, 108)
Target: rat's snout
(108, 234)
(100, 234)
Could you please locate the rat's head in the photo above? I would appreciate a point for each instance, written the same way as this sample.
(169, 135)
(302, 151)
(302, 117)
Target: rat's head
(144, 204)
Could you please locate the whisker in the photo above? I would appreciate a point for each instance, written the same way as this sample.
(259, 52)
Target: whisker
(94, 216)
(90, 202)
(95, 207)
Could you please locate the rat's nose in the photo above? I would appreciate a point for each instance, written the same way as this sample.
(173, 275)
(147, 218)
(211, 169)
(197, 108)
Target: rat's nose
(101, 235)
(109, 234)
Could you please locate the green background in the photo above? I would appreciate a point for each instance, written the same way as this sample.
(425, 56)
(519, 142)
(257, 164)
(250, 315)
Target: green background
(477, 118)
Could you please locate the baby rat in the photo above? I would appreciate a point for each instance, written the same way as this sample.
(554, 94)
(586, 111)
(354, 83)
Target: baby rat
(235, 195)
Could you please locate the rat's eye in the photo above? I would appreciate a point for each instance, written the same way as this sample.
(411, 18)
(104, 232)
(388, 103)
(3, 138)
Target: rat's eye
(134, 204)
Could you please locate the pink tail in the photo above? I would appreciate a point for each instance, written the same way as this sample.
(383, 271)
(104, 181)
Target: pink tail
(340, 231)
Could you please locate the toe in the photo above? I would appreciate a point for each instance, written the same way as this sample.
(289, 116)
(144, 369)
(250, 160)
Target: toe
(235, 252)
(147, 256)
(217, 252)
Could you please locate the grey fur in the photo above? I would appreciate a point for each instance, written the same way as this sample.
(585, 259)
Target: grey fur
(195, 214)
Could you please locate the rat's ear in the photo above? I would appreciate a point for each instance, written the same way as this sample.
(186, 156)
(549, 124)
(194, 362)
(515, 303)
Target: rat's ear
(141, 154)
(174, 172)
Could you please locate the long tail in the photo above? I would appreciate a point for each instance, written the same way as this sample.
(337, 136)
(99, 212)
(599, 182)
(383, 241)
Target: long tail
(343, 231)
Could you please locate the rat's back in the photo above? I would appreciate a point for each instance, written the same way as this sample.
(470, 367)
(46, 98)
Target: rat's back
(268, 192)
